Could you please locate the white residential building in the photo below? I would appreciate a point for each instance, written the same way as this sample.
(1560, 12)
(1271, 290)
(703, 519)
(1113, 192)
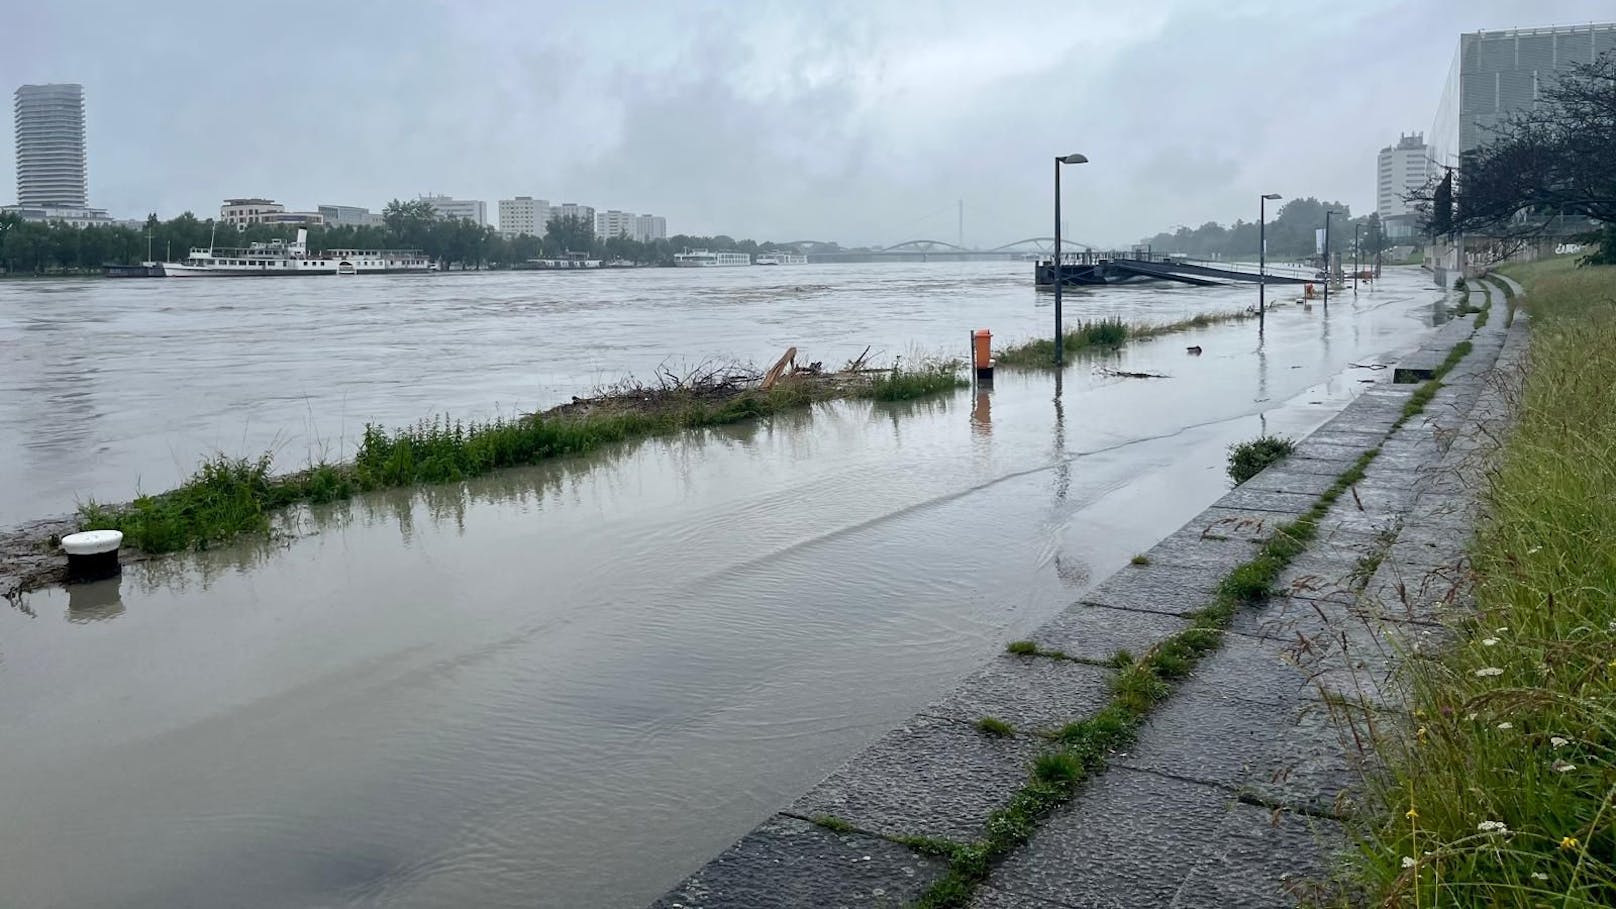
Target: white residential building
(523, 215)
(650, 227)
(449, 207)
(1401, 169)
(614, 223)
(249, 211)
(585, 213)
(51, 166)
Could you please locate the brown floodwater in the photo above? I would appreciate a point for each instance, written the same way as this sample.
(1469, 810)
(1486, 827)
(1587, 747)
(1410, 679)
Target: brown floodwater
(571, 684)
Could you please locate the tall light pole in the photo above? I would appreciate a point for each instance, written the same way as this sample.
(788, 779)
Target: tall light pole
(1262, 257)
(1327, 214)
(1355, 226)
(1060, 274)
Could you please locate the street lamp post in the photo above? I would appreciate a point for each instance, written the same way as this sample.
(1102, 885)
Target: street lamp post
(1262, 257)
(1327, 214)
(1060, 274)
(1355, 227)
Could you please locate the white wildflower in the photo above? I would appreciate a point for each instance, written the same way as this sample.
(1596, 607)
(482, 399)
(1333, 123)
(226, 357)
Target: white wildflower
(1502, 630)
(1562, 766)
(1540, 876)
(1492, 827)
(1471, 716)
(1506, 725)
(1533, 551)
(1486, 671)
(1489, 642)
(1408, 861)
(1558, 742)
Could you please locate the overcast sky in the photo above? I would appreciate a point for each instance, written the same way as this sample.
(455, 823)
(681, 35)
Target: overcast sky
(859, 121)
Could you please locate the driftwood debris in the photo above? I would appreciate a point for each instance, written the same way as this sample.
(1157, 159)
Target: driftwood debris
(778, 370)
(1125, 374)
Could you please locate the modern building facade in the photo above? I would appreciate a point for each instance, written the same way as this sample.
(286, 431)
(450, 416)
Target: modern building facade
(1401, 169)
(1495, 74)
(349, 216)
(249, 210)
(523, 215)
(449, 207)
(52, 169)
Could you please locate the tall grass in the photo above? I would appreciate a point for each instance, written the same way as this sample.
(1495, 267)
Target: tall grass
(1504, 792)
(1103, 334)
(229, 496)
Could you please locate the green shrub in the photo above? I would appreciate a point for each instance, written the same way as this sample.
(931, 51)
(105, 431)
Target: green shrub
(1247, 459)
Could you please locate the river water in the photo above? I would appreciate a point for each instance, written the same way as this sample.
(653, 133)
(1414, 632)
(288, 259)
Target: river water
(565, 685)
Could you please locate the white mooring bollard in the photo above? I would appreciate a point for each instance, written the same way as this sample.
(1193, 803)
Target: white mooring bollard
(92, 554)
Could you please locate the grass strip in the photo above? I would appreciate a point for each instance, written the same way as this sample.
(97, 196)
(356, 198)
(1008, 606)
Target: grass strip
(1503, 792)
(227, 497)
(1104, 335)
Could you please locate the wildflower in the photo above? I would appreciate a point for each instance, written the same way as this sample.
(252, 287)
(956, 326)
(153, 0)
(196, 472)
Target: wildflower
(1502, 629)
(1471, 716)
(1568, 842)
(1562, 766)
(1408, 861)
(1411, 814)
(1492, 827)
(1558, 742)
(1489, 642)
(1506, 725)
(1486, 671)
(1534, 550)
(1538, 875)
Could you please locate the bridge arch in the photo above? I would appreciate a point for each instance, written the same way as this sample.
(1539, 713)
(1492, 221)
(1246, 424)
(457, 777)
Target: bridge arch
(1042, 244)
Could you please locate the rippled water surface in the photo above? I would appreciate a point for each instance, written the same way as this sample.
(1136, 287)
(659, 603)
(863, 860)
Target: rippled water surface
(565, 685)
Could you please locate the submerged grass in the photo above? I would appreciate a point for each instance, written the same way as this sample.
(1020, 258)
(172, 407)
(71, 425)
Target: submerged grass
(1103, 334)
(227, 497)
(1505, 795)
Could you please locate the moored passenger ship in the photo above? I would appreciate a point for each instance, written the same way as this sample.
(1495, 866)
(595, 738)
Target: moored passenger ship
(279, 258)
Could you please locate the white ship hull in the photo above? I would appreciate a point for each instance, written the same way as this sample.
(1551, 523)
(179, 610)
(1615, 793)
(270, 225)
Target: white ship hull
(280, 259)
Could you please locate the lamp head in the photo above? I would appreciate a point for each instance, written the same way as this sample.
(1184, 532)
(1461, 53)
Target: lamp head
(1073, 159)
(1271, 195)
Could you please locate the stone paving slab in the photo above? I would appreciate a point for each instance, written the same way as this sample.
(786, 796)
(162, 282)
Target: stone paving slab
(788, 863)
(1331, 466)
(1129, 841)
(1280, 478)
(1264, 858)
(1029, 693)
(1284, 754)
(1190, 547)
(1237, 524)
(1098, 632)
(1246, 497)
(1167, 589)
(1331, 451)
(928, 777)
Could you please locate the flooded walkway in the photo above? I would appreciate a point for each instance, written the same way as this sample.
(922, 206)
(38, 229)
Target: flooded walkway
(571, 684)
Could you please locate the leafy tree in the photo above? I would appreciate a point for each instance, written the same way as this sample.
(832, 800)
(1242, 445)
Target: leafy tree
(570, 234)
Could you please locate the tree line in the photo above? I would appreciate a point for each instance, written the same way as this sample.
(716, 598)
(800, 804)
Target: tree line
(1290, 234)
(1545, 172)
(55, 247)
